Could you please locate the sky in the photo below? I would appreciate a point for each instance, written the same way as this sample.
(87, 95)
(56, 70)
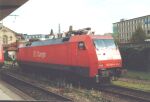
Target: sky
(40, 16)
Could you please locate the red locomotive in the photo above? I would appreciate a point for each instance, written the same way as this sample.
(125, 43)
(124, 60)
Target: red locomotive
(90, 56)
(1, 56)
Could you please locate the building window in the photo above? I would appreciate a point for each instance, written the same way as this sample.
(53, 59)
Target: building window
(148, 32)
(5, 39)
(10, 38)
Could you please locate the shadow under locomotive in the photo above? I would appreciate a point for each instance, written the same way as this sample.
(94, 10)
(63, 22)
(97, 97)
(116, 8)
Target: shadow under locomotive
(58, 72)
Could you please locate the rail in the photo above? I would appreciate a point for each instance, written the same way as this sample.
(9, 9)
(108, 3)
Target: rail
(49, 95)
(140, 96)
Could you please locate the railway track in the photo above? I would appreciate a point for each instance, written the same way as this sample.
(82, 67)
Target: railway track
(128, 93)
(34, 90)
(123, 93)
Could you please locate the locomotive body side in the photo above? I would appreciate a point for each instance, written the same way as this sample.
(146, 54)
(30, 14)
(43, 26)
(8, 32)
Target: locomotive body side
(90, 56)
(60, 56)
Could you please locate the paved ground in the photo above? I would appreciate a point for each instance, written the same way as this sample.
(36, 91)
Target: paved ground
(8, 92)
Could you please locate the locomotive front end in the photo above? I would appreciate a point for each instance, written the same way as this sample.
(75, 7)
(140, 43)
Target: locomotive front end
(108, 56)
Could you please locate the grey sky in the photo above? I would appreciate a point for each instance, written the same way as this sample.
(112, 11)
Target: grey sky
(39, 16)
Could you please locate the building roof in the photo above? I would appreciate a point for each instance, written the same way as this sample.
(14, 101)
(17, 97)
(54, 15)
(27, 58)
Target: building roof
(4, 27)
(8, 6)
(123, 20)
(15, 33)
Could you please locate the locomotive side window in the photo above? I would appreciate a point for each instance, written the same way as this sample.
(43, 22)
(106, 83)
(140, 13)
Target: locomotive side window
(81, 45)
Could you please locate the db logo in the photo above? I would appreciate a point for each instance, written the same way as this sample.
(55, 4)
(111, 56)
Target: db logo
(39, 54)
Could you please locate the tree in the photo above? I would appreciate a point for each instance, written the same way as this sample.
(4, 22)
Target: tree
(6, 56)
(51, 33)
(70, 28)
(116, 38)
(138, 36)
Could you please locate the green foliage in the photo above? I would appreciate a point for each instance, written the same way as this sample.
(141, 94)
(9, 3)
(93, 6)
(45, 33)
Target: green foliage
(134, 85)
(138, 36)
(116, 38)
(138, 75)
(148, 37)
(136, 58)
(135, 79)
(6, 56)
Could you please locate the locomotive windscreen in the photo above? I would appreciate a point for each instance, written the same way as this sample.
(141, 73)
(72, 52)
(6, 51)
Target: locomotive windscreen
(104, 43)
(106, 49)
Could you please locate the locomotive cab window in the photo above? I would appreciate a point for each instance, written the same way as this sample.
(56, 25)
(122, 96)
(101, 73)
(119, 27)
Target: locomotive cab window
(81, 45)
(104, 43)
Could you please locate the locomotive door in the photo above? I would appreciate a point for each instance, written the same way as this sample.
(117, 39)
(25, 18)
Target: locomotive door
(82, 56)
(77, 55)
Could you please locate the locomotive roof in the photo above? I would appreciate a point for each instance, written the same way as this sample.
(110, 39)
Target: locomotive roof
(61, 40)
(46, 42)
(101, 37)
